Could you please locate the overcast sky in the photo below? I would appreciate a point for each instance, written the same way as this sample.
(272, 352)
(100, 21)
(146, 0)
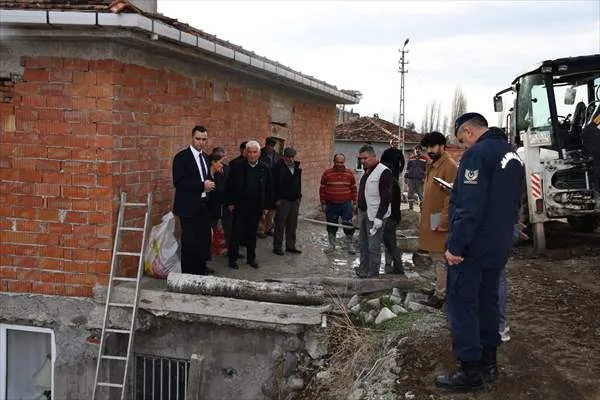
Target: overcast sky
(477, 45)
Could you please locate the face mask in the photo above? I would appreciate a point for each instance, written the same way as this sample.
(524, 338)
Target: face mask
(433, 156)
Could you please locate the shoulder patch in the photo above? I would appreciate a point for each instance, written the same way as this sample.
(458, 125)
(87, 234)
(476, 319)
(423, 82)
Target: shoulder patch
(511, 155)
(471, 176)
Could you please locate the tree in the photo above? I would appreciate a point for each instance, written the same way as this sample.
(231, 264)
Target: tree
(459, 106)
(431, 119)
(410, 125)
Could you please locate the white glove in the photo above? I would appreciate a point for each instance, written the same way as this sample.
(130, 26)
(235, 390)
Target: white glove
(377, 224)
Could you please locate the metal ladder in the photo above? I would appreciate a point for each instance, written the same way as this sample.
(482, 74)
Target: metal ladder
(110, 305)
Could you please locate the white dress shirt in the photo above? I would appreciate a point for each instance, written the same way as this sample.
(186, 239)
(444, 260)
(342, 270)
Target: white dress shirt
(199, 159)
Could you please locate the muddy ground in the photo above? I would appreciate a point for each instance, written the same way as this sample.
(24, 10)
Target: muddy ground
(554, 317)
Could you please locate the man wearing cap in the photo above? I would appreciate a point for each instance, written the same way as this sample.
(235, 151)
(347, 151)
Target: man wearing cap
(415, 175)
(433, 230)
(270, 158)
(287, 187)
(483, 207)
(373, 207)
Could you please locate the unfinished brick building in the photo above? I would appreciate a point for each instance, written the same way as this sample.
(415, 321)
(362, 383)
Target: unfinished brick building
(96, 98)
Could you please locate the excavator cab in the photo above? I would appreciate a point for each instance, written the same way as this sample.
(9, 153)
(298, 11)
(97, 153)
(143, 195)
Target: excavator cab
(552, 126)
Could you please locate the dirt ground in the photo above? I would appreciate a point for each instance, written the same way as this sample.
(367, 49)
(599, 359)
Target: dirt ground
(554, 317)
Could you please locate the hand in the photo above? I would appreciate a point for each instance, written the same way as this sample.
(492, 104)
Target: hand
(452, 259)
(209, 186)
(277, 203)
(377, 223)
(231, 208)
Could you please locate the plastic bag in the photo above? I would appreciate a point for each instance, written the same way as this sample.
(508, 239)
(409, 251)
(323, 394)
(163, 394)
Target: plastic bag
(162, 251)
(219, 248)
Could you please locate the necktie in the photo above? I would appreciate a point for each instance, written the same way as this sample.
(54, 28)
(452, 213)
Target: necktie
(203, 167)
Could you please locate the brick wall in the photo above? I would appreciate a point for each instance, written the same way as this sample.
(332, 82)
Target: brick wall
(75, 132)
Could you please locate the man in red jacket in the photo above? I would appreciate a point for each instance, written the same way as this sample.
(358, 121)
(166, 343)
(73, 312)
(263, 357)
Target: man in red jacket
(338, 200)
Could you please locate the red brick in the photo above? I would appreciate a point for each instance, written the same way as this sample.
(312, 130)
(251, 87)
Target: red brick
(59, 203)
(84, 154)
(36, 75)
(76, 266)
(84, 103)
(100, 218)
(105, 104)
(78, 291)
(105, 141)
(47, 165)
(19, 249)
(78, 116)
(75, 192)
(103, 78)
(61, 75)
(56, 127)
(27, 88)
(51, 252)
(100, 192)
(29, 201)
(29, 274)
(55, 140)
(101, 116)
(8, 273)
(76, 64)
(43, 62)
(76, 217)
(47, 189)
(106, 65)
(23, 163)
(84, 179)
(47, 239)
(24, 212)
(54, 89)
(29, 226)
(84, 230)
(25, 261)
(27, 114)
(59, 153)
(104, 231)
(53, 114)
(49, 214)
(43, 288)
(59, 102)
(84, 78)
(104, 255)
(56, 177)
(60, 228)
(33, 101)
(87, 129)
(19, 286)
(84, 254)
(84, 205)
(98, 268)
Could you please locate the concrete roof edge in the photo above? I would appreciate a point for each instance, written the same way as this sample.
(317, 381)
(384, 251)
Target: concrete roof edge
(158, 29)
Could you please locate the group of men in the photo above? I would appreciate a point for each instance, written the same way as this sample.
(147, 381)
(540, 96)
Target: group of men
(256, 187)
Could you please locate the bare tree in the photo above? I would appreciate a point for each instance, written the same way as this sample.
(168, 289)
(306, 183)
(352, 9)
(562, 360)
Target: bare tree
(410, 125)
(431, 119)
(459, 105)
(444, 127)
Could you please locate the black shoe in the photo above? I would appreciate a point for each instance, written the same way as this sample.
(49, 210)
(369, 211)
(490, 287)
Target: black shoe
(234, 266)
(279, 252)
(209, 271)
(468, 379)
(489, 366)
(253, 264)
(434, 302)
(294, 250)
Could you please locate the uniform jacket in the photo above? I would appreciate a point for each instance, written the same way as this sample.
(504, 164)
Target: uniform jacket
(287, 186)
(485, 201)
(236, 182)
(188, 183)
(394, 160)
(217, 198)
(436, 200)
(416, 167)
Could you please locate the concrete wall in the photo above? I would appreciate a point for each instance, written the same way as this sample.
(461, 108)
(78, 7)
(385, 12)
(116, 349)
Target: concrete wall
(90, 118)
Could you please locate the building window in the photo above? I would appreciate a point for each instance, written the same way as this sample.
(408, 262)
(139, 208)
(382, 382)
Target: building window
(27, 355)
(160, 377)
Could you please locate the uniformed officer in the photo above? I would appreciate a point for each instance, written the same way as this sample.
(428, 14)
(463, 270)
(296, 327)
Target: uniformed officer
(483, 210)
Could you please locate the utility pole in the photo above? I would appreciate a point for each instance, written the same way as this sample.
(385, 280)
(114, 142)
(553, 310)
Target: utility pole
(402, 70)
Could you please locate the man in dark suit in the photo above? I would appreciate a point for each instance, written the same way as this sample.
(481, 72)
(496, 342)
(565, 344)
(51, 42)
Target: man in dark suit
(191, 178)
(249, 191)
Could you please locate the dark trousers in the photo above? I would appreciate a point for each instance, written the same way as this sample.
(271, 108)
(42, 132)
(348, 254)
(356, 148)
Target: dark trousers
(195, 241)
(393, 255)
(245, 222)
(336, 211)
(286, 222)
(473, 312)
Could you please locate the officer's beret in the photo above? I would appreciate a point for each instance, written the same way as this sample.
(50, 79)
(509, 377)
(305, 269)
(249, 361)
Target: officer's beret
(467, 117)
(433, 139)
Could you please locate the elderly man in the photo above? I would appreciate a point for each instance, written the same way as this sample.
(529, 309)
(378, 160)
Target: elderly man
(338, 199)
(415, 175)
(287, 187)
(433, 230)
(249, 191)
(374, 199)
(193, 183)
(483, 209)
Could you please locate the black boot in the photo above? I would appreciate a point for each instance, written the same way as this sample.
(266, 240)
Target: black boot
(489, 366)
(466, 380)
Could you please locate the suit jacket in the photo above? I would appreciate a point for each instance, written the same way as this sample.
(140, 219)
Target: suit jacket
(236, 184)
(189, 186)
(285, 185)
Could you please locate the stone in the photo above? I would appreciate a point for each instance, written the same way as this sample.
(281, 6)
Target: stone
(316, 344)
(421, 260)
(409, 395)
(368, 318)
(294, 383)
(356, 394)
(355, 310)
(396, 299)
(353, 301)
(396, 292)
(413, 306)
(415, 297)
(376, 303)
(396, 309)
(290, 364)
(323, 375)
(374, 313)
(384, 315)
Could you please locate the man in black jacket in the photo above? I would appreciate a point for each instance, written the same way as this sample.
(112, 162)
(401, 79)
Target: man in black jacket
(393, 158)
(287, 186)
(249, 191)
(191, 178)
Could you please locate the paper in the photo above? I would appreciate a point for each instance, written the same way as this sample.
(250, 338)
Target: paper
(443, 183)
(434, 221)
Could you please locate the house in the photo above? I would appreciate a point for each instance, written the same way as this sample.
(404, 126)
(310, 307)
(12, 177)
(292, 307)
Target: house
(377, 132)
(96, 97)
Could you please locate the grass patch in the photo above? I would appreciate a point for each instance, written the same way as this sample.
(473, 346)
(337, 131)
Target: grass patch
(402, 322)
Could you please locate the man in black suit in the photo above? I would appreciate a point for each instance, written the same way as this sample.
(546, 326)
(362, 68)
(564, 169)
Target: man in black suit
(191, 178)
(249, 191)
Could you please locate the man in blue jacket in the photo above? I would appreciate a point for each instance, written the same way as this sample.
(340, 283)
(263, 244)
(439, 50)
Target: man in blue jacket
(483, 210)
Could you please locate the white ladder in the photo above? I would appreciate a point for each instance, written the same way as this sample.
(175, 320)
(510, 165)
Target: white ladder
(131, 307)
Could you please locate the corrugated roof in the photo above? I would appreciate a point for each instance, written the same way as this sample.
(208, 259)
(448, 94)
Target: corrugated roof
(373, 129)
